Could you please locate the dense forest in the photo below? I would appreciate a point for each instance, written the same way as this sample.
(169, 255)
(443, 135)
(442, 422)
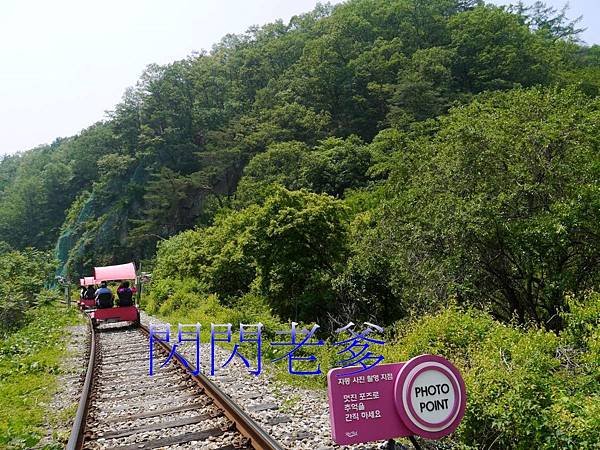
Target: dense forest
(376, 160)
(397, 153)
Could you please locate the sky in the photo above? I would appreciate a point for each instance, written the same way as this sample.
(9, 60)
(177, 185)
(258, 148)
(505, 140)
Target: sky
(64, 63)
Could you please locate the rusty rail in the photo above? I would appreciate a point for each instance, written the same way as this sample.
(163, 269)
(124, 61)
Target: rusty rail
(76, 438)
(259, 439)
(244, 424)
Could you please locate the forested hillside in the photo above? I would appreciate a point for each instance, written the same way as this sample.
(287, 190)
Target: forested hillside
(436, 186)
(431, 166)
(346, 87)
(453, 145)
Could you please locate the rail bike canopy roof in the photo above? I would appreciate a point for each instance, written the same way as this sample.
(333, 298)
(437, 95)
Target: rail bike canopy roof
(118, 272)
(88, 281)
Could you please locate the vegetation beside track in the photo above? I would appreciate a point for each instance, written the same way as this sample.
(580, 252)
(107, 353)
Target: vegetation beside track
(23, 276)
(527, 387)
(29, 366)
(381, 161)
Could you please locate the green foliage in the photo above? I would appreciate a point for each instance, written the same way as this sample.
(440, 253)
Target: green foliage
(168, 294)
(526, 388)
(231, 267)
(495, 50)
(337, 165)
(181, 255)
(289, 250)
(331, 167)
(29, 366)
(299, 243)
(369, 161)
(170, 207)
(217, 256)
(498, 209)
(582, 329)
(281, 164)
(178, 142)
(44, 182)
(178, 301)
(24, 275)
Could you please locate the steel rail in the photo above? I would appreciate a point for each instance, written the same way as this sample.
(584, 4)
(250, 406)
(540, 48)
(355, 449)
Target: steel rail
(259, 439)
(245, 425)
(76, 438)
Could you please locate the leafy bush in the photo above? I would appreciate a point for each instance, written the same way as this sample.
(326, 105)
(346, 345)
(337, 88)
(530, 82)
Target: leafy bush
(254, 309)
(172, 298)
(180, 256)
(162, 291)
(526, 387)
(12, 310)
(216, 256)
(288, 250)
(499, 208)
(299, 246)
(583, 320)
(24, 275)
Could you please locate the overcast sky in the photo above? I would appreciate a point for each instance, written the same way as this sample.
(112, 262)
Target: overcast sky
(63, 63)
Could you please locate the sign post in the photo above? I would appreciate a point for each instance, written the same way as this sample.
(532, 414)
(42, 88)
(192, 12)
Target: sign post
(68, 289)
(425, 396)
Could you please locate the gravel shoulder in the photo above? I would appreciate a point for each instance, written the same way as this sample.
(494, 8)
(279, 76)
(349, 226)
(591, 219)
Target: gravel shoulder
(296, 418)
(70, 382)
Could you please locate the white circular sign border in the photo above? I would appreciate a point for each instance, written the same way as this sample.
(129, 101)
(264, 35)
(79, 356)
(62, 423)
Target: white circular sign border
(406, 395)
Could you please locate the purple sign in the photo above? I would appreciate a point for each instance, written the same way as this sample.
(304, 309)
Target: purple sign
(361, 406)
(424, 396)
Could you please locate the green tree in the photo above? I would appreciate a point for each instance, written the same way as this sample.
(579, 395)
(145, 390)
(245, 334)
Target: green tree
(281, 164)
(495, 50)
(24, 273)
(299, 246)
(331, 167)
(336, 165)
(503, 210)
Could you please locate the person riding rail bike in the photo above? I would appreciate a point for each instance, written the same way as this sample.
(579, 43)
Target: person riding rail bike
(104, 296)
(90, 293)
(125, 294)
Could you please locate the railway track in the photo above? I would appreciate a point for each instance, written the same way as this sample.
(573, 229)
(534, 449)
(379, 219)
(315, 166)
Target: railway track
(122, 408)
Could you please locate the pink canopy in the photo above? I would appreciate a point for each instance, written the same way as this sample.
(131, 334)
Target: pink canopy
(89, 281)
(81, 282)
(119, 272)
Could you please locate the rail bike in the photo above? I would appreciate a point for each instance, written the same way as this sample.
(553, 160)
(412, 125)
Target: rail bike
(115, 313)
(85, 302)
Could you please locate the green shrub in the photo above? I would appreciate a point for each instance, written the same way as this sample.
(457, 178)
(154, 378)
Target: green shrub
(24, 275)
(180, 256)
(299, 248)
(179, 300)
(289, 250)
(510, 382)
(582, 320)
(161, 290)
(12, 310)
(254, 309)
(526, 387)
(451, 333)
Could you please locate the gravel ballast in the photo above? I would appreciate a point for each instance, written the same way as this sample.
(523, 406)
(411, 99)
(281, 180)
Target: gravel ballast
(297, 418)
